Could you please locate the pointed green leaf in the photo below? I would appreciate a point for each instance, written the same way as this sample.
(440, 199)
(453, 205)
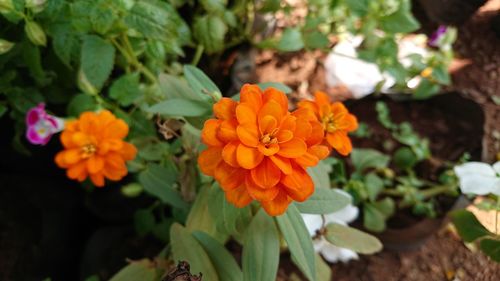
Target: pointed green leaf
(97, 60)
(261, 248)
(351, 238)
(468, 226)
(299, 241)
(158, 181)
(491, 248)
(324, 201)
(200, 83)
(181, 107)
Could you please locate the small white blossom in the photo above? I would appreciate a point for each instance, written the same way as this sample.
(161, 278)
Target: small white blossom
(479, 178)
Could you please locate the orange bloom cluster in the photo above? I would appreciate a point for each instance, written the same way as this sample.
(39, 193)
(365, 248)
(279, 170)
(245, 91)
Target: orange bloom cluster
(258, 150)
(94, 147)
(335, 120)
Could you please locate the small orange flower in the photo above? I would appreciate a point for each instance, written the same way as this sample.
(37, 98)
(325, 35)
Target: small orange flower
(94, 147)
(258, 150)
(335, 119)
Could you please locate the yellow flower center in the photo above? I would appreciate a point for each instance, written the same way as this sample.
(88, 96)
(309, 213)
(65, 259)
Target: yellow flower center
(270, 138)
(88, 150)
(329, 123)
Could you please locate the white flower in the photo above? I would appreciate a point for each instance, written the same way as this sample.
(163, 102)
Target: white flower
(331, 252)
(479, 178)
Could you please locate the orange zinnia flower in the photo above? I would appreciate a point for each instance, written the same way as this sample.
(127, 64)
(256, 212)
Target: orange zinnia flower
(94, 147)
(258, 150)
(335, 119)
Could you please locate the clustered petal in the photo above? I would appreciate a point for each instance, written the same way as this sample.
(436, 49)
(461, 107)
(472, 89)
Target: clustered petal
(94, 147)
(40, 126)
(258, 150)
(335, 119)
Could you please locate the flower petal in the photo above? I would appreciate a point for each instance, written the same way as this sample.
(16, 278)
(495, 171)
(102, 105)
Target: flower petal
(128, 151)
(282, 163)
(95, 164)
(97, 179)
(239, 196)
(72, 156)
(259, 193)
(278, 205)
(209, 133)
(271, 108)
(298, 184)
(248, 157)
(229, 177)
(269, 150)
(267, 174)
(284, 135)
(78, 170)
(277, 96)
(303, 129)
(227, 131)
(225, 109)
(267, 124)
(248, 134)
(293, 148)
(251, 95)
(209, 159)
(340, 142)
(246, 114)
(229, 153)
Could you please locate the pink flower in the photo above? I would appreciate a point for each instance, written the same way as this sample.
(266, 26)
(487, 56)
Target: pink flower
(41, 126)
(437, 35)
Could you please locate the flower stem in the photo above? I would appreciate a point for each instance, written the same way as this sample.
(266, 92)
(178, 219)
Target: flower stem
(197, 56)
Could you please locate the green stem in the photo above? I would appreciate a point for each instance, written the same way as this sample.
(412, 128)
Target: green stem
(127, 51)
(197, 56)
(436, 190)
(392, 192)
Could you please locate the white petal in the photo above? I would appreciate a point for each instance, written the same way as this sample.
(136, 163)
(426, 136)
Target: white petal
(334, 254)
(496, 167)
(475, 168)
(343, 216)
(313, 223)
(478, 184)
(347, 255)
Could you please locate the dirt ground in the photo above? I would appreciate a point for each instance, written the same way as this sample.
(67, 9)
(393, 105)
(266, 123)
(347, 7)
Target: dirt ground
(476, 76)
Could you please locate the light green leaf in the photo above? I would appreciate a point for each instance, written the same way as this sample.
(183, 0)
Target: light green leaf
(375, 214)
(199, 217)
(153, 19)
(319, 175)
(261, 247)
(280, 86)
(299, 241)
(351, 238)
(81, 103)
(374, 184)
(181, 107)
(223, 261)
(315, 40)
(97, 60)
(214, 6)
(5, 46)
(176, 87)
(426, 89)
(158, 181)
(358, 7)
(201, 84)
(210, 31)
(468, 226)
(143, 270)
(324, 201)
(402, 21)
(125, 89)
(290, 41)
(364, 158)
(323, 270)
(186, 248)
(228, 218)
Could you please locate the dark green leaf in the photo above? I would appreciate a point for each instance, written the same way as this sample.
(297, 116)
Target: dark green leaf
(468, 226)
(358, 7)
(261, 248)
(97, 61)
(290, 41)
(491, 248)
(199, 82)
(64, 42)
(401, 21)
(374, 184)
(3, 109)
(351, 238)
(209, 31)
(315, 40)
(214, 6)
(158, 181)
(364, 158)
(162, 230)
(153, 19)
(181, 107)
(299, 241)
(81, 103)
(426, 89)
(186, 248)
(404, 158)
(324, 201)
(223, 261)
(125, 89)
(144, 221)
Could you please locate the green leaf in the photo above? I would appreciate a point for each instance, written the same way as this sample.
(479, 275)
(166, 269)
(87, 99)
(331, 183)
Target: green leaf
(143, 270)
(3, 109)
(35, 33)
(102, 17)
(290, 41)
(324, 201)
(201, 84)
(97, 61)
(5, 46)
(176, 87)
(81, 103)
(64, 42)
(491, 248)
(125, 89)
(401, 21)
(153, 19)
(405, 158)
(228, 218)
(299, 241)
(351, 238)
(144, 221)
(323, 270)
(162, 230)
(214, 6)
(426, 89)
(279, 86)
(319, 175)
(364, 158)
(158, 181)
(186, 248)
(358, 7)
(223, 261)
(199, 217)
(315, 40)
(375, 214)
(374, 184)
(261, 249)
(210, 31)
(181, 107)
(441, 75)
(468, 226)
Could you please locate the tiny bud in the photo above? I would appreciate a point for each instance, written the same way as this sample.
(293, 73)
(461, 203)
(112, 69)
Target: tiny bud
(5, 46)
(35, 33)
(132, 190)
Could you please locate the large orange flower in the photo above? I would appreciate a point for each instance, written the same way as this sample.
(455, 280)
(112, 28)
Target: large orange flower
(94, 147)
(335, 119)
(258, 150)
